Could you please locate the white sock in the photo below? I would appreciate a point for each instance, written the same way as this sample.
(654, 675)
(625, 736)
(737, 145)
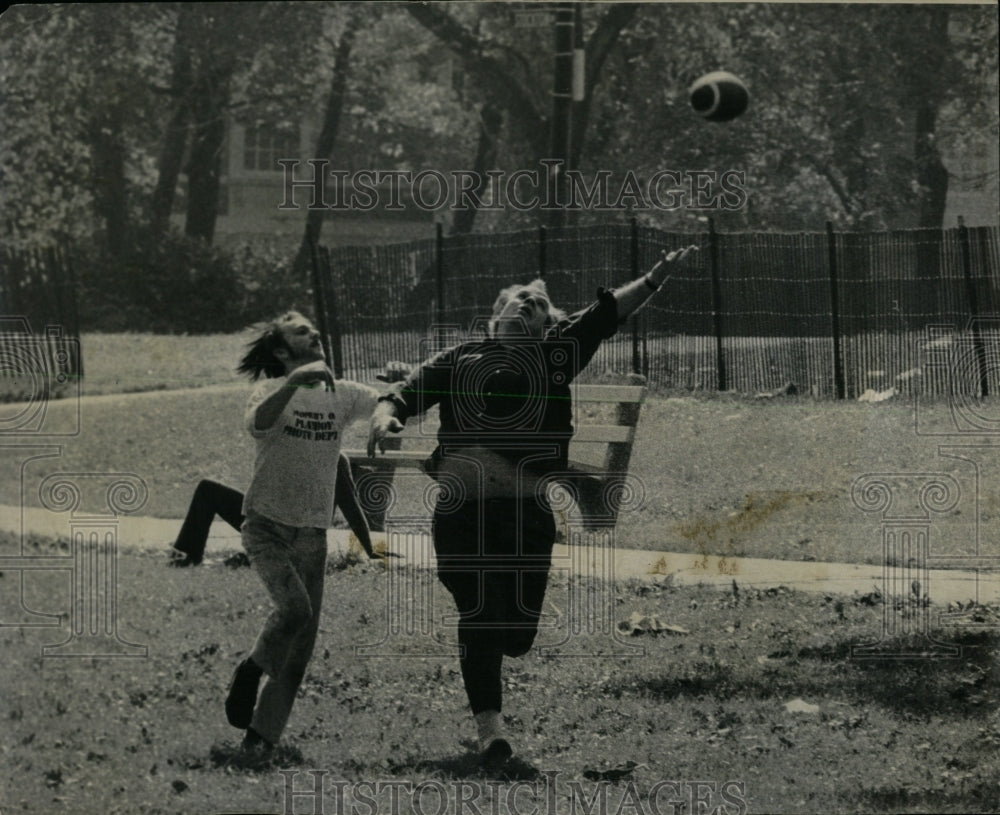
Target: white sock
(489, 726)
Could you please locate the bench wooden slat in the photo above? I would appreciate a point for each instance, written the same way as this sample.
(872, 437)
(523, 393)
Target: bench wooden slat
(586, 433)
(389, 459)
(421, 439)
(393, 459)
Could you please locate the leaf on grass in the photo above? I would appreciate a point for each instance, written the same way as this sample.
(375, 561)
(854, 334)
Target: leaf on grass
(788, 389)
(648, 624)
(871, 395)
(800, 706)
(614, 774)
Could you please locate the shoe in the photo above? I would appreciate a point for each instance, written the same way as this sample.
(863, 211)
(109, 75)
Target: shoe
(242, 696)
(254, 742)
(496, 753)
(179, 560)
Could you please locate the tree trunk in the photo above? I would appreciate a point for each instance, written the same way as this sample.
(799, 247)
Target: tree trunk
(109, 176)
(328, 137)
(107, 143)
(210, 96)
(175, 139)
(498, 84)
(932, 176)
(601, 42)
(491, 120)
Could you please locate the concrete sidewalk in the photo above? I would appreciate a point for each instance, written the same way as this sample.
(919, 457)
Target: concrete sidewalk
(943, 586)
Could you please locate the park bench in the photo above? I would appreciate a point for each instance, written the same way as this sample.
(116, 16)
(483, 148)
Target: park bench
(599, 452)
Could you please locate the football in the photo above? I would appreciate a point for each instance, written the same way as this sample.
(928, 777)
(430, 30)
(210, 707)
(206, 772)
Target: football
(719, 96)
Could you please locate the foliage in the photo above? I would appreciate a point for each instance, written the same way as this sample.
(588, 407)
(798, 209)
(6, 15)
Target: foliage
(173, 283)
(76, 91)
(852, 106)
(831, 126)
(840, 98)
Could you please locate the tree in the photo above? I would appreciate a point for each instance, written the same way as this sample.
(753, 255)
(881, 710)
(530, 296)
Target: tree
(171, 155)
(508, 81)
(227, 62)
(227, 35)
(76, 110)
(327, 138)
(851, 107)
(490, 122)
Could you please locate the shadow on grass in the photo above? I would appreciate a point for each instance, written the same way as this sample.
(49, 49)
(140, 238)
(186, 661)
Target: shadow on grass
(922, 686)
(979, 796)
(467, 765)
(233, 756)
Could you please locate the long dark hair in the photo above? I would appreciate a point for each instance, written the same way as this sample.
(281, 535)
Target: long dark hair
(260, 358)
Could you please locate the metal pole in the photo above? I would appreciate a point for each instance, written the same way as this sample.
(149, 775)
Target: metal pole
(839, 381)
(439, 271)
(562, 107)
(973, 298)
(634, 269)
(542, 258)
(720, 358)
(336, 334)
(320, 304)
(74, 309)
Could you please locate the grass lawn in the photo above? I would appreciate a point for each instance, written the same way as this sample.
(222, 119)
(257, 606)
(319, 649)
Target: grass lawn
(724, 475)
(125, 363)
(149, 735)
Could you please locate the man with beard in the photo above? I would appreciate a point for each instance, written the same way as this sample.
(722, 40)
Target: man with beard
(297, 417)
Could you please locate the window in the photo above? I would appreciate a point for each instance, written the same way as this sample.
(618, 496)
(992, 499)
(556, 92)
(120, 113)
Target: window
(263, 145)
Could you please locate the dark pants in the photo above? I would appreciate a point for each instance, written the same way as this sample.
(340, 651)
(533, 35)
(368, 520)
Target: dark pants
(496, 567)
(212, 498)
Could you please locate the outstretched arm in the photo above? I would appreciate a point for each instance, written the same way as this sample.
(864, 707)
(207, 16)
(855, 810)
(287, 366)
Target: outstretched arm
(411, 397)
(383, 422)
(634, 294)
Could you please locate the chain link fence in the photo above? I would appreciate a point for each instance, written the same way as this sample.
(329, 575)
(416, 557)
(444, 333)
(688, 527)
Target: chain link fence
(831, 314)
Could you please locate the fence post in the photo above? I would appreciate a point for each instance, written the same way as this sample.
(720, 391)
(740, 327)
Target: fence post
(645, 350)
(320, 305)
(839, 381)
(15, 273)
(713, 255)
(55, 281)
(74, 312)
(634, 273)
(970, 293)
(542, 247)
(439, 277)
(66, 260)
(336, 335)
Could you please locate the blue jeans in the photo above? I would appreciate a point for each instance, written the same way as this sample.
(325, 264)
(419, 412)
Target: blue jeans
(291, 562)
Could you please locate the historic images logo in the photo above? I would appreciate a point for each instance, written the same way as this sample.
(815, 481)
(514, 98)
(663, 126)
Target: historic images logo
(546, 189)
(312, 791)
